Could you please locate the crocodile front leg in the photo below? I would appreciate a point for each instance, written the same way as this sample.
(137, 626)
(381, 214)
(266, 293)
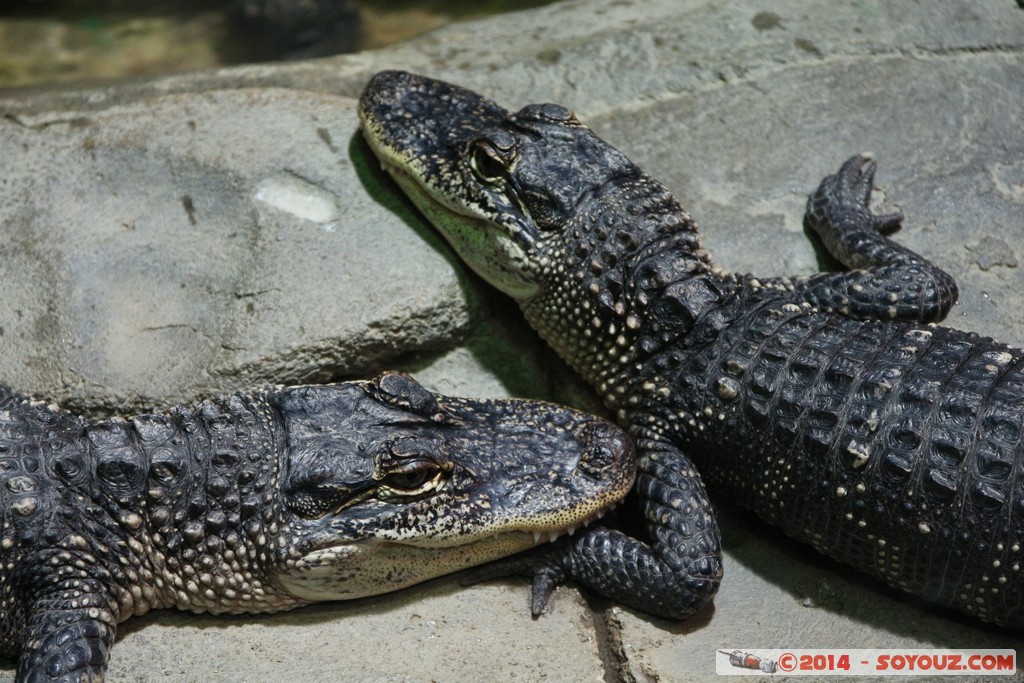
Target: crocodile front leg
(70, 628)
(671, 577)
(887, 280)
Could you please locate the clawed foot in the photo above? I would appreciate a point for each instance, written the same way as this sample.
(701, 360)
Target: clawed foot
(843, 200)
(884, 280)
(544, 565)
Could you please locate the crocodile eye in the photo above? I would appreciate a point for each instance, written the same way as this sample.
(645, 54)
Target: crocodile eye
(412, 478)
(486, 164)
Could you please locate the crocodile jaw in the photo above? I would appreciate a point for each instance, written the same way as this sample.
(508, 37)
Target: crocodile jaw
(487, 249)
(357, 570)
(494, 238)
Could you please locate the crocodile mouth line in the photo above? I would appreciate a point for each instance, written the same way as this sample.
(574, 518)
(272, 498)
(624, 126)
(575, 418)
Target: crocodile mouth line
(412, 185)
(529, 537)
(394, 165)
(539, 538)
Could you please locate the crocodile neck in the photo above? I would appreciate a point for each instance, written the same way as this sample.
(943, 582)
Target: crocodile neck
(629, 247)
(191, 489)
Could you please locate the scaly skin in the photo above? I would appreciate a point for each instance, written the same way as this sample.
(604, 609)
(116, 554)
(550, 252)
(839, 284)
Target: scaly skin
(827, 404)
(263, 502)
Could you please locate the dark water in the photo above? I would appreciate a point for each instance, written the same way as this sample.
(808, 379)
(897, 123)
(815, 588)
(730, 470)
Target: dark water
(44, 41)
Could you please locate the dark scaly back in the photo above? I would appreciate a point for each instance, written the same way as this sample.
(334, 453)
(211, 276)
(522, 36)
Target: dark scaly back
(213, 500)
(889, 445)
(886, 445)
(626, 241)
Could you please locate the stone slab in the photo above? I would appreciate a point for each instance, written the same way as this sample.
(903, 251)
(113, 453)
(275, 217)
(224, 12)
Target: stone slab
(194, 244)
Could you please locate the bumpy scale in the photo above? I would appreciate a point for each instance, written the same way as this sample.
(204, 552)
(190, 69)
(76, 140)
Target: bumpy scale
(827, 404)
(262, 502)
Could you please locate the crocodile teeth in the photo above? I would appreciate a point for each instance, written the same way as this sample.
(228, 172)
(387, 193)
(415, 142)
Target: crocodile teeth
(552, 536)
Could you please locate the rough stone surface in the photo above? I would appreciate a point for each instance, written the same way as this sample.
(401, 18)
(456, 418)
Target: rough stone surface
(739, 109)
(438, 631)
(196, 243)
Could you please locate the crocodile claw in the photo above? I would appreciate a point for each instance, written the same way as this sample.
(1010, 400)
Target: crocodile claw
(857, 177)
(544, 565)
(844, 199)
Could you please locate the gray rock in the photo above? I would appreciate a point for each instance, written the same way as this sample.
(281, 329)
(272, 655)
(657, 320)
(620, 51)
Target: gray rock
(438, 631)
(740, 111)
(198, 243)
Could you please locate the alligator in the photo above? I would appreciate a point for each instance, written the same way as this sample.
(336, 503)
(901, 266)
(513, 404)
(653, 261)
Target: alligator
(266, 501)
(831, 405)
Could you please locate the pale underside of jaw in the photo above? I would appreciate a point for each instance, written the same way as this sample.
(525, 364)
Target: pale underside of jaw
(430, 204)
(484, 246)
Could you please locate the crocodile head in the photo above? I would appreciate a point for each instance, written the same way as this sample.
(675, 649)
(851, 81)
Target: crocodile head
(537, 205)
(501, 187)
(390, 485)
